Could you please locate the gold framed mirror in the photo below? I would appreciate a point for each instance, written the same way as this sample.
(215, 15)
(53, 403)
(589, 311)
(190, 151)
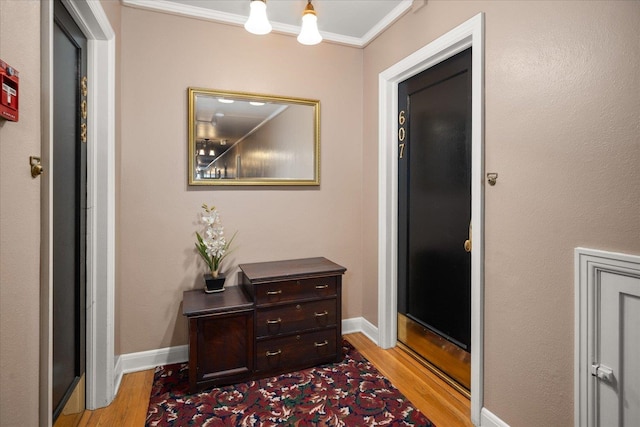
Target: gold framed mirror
(240, 138)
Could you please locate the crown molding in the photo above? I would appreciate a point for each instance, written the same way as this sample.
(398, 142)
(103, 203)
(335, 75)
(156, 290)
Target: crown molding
(386, 22)
(186, 10)
(239, 20)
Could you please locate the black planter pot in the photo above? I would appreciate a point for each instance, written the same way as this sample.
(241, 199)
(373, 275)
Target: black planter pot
(212, 284)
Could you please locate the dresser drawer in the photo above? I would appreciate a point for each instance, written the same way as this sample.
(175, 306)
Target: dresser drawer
(295, 317)
(296, 350)
(293, 290)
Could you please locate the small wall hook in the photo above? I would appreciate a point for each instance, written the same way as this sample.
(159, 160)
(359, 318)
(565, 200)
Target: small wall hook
(492, 177)
(36, 166)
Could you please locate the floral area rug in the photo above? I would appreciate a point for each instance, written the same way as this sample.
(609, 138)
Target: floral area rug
(349, 393)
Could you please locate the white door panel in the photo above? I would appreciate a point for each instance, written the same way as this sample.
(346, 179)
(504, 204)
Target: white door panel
(630, 396)
(607, 369)
(619, 349)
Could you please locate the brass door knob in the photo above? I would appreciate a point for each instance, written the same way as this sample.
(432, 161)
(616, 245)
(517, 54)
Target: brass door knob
(467, 243)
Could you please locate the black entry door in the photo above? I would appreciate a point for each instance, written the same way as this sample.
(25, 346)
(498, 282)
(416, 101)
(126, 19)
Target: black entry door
(69, 206)
(434, 211)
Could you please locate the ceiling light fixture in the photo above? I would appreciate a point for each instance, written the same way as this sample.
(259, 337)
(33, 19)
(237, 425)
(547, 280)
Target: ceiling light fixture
(258, 23)
(309, 33)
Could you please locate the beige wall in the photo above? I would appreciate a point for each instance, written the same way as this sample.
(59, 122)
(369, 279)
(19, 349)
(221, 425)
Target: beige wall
(562, 123)
(162, 55)
(20, 221)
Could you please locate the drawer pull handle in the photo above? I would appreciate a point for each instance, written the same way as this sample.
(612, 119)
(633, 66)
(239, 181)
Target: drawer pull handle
(274, 322)
(274, 353)
(321, 314)
(319, 287)
(278, 292)
(321, 344)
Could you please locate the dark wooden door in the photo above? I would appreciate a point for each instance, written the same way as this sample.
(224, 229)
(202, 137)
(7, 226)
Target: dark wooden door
(69, 206)
(434, 212)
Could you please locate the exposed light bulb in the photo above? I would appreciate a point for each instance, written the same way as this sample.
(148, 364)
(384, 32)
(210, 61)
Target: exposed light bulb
(309, 34)
(258, 23)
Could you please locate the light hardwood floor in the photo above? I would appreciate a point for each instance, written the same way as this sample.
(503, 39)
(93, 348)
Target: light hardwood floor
(444, 406)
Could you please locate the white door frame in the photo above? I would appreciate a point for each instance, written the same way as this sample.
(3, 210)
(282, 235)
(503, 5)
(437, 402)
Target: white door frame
(100, 379)
(468, 34)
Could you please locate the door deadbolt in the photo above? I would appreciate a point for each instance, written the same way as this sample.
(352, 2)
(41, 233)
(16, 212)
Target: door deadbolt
(36, 166)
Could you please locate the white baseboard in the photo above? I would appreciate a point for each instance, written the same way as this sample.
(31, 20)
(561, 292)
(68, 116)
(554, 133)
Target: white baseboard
(143, 360)
(360, 324)
(140, 361)
(489, 419)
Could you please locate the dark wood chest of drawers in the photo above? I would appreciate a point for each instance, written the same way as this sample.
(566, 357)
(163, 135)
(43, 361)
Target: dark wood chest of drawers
(297, 312)
(284, 316)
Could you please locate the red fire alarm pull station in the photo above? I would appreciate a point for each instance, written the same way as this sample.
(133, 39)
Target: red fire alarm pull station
(10, 93)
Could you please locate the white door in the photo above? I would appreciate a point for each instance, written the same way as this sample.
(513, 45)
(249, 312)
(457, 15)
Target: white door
(616, 368)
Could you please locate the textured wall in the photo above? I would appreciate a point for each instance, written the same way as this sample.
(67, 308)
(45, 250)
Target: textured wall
(162, 55)
(20, 221)
(562, 123)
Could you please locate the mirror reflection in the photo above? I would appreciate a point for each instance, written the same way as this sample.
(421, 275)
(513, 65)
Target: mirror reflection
(238, 138)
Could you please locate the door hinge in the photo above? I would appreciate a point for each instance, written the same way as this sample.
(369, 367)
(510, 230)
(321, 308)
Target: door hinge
(603, 372)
